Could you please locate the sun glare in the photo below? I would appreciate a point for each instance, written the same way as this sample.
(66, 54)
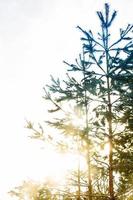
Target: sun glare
(54, 166)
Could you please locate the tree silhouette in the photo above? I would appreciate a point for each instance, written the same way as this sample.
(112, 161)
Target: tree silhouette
(98, 93)
(106, 68)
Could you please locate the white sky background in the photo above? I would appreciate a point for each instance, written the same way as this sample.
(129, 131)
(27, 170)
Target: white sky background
(35, 36)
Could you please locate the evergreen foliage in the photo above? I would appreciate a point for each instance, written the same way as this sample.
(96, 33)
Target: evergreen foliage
(100, 84)
(98, 93)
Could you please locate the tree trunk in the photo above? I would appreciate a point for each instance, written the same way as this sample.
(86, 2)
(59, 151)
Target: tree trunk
(109, 116)
(87, 134)
(111, 178)
(89, 179)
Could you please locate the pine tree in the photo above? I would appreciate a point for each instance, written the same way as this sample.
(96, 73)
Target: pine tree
(98, 90)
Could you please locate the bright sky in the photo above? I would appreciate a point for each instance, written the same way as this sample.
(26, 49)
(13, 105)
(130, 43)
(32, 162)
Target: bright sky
(35, 36)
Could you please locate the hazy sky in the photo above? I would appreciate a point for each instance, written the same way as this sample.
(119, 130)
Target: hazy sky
(35, 36)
